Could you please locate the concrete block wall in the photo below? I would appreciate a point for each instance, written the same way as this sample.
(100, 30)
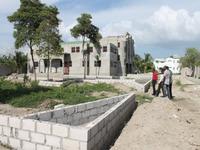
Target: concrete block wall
(105, 128)
(32, 134)
(50, 84)
(78, 114)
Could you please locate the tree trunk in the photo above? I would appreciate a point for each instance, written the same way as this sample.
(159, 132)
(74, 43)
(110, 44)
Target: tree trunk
(48, 63)
(84, 62)
(32, 58)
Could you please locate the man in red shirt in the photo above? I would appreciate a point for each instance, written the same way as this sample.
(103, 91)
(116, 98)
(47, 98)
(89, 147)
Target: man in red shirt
(154, 80)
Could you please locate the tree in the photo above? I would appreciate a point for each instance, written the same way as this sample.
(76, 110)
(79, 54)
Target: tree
(26, 21)
(20, 61)
(191, 58)
(143, 65)
(48, 36)
(86, 30)
(148, 62)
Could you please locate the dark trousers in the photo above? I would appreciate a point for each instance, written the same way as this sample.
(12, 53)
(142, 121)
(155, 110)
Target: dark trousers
(169, 90)
(161, 86)
(154, 86)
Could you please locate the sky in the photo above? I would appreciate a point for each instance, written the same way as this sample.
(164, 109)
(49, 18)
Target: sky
(160, 27)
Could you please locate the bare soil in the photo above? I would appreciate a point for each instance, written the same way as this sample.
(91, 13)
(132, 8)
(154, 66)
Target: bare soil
(164, 124)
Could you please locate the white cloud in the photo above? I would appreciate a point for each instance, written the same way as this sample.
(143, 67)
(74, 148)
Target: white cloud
(164, 25)
(179, 25)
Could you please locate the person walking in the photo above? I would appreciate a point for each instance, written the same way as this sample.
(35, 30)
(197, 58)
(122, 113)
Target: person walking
(154, 80)
(161, 84)
(168, 81)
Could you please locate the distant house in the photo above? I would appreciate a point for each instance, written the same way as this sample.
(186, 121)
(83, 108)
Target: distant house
(172, 62)
(116, 58)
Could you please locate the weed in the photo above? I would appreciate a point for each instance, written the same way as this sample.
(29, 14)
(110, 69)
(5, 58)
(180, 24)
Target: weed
(19, 95)
(143, 98)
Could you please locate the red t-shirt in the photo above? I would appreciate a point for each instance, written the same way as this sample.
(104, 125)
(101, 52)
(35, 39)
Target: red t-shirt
(155, 75)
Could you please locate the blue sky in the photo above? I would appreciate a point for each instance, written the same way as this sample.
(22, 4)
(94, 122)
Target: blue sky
(159, 27)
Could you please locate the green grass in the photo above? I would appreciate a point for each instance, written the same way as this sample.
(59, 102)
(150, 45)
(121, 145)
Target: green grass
(143, 98)
(33, 95)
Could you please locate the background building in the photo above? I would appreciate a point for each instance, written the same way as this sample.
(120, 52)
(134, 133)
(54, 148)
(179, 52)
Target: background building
(172, 62)
(115, 59)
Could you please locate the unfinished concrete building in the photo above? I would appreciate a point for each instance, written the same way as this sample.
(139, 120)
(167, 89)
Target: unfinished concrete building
(115, 59)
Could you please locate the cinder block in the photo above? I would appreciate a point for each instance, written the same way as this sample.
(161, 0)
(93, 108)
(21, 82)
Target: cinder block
(60, 120)
(4, 140)
(90, 105)
(60, 130)
(81, 107)
(43, 127)
(37, 138)
(42, 147)
(28, 124)
(69, 110)
(69, 144)
(93, 131)
(7, 131)
(4, 120)
(83, 146)
(28, 145)
(58, 113)
(23, 135)
(1, 130)
(15, 143)
(53, 141)
(78, 133)
(15, 122)
(45, 116)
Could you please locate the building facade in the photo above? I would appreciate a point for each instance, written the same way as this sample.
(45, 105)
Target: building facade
(115, 58)
(172, 62)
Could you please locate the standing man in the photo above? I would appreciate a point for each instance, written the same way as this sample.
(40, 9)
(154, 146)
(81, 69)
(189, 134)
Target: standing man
(168, 82)
(154, 80)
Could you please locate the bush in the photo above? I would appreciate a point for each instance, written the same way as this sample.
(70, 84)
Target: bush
(31, 96)
(34, 84)
(178, 83)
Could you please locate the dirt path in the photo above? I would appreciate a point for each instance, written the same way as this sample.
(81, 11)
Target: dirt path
(165, 124)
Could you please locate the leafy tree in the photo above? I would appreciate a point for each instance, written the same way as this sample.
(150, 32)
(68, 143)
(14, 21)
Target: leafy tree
(20, 61)
(148, 62)
(86, 30)
(191, 58)
(143, 65)
(138, 64)
(26, 21)
(48, 36)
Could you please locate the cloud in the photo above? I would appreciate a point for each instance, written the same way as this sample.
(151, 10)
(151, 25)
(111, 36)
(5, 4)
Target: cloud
(164, 25)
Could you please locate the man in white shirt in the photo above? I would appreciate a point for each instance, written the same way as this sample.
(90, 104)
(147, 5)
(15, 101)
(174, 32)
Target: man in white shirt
(168, 81)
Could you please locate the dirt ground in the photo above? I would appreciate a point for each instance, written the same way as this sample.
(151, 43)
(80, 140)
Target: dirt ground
(164, 124)
(159, 125)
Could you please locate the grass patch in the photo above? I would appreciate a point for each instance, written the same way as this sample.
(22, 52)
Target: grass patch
(143, 98)
(182, 86)
(178, 83)
(33, 95)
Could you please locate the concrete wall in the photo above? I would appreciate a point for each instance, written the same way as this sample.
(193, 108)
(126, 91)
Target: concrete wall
(78, 114)
(31, 134)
